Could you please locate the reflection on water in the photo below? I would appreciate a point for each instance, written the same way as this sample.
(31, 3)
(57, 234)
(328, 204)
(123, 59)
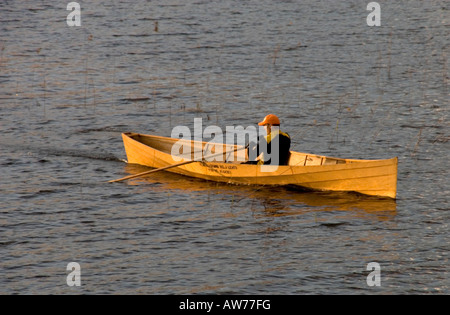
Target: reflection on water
(276, 201)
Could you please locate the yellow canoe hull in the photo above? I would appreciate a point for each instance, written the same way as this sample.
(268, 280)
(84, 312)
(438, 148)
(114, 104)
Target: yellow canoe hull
(369, 177)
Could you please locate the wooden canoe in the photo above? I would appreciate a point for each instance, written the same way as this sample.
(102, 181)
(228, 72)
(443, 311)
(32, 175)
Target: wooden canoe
(310, 171)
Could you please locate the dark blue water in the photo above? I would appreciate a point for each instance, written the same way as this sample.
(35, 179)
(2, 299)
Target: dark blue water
(340, 87)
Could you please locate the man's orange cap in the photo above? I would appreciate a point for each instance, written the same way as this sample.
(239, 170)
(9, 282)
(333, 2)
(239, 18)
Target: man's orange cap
(270, 120)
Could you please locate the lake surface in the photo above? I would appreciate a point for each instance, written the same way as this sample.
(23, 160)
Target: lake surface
(340, 87)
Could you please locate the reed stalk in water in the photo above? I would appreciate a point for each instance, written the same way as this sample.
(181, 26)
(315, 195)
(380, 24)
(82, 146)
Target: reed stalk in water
(85, 81)
(444, 71)
(389, 55)
(1, 54)
(419, 139)
(44, 83)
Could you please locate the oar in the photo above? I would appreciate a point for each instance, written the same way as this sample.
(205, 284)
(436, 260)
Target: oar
(174, 165)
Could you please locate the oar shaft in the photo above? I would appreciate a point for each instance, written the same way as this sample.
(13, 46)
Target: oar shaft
(174, 165)
(152, 171)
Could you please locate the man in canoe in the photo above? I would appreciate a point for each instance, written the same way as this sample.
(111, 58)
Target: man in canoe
(272, 149)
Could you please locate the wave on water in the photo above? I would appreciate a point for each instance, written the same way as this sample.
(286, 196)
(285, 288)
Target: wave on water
(54, 151)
